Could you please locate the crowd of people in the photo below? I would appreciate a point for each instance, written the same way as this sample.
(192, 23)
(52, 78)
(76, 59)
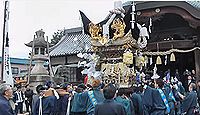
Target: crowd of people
(150, 97)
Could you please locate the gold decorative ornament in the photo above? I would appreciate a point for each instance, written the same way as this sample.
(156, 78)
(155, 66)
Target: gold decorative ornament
(119, 26)
(94, 31)
(103, 40)
(128, 58)
(140, 61)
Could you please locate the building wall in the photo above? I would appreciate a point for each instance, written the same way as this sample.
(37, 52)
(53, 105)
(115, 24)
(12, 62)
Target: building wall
(72, 59)
(57, 60)
(20, 68)
(68, 68)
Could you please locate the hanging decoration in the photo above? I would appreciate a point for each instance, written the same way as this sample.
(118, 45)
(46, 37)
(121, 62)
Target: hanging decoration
(128, 57)
(172, 57)
(90, 62)
(150, 60)
(166, 60)
(143, 36)
(145, 61)
(140, 60)
(158, 60)
(155, 75)
(170, 51)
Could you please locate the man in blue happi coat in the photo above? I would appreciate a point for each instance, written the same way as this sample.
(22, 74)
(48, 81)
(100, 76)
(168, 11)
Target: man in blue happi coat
(189, 103)
(136, 98)
(147, 99)
(109, 106)
(44, 105)
(88, 99)
(160, 101)
(124, 100)
(5, 94)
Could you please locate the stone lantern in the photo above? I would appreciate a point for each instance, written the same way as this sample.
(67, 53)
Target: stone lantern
(39, 73)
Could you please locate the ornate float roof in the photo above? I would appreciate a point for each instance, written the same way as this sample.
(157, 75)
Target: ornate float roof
(39, 40)
(66, 45)
(72, 43)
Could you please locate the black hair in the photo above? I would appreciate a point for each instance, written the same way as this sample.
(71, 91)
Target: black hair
(82, 86)
(39, 88)
(160, 83)
(109, 91)
(19, 86)
(193, 85)
(121, 91)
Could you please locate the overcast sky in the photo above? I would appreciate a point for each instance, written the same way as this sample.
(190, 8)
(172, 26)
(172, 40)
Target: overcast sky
(28, 16)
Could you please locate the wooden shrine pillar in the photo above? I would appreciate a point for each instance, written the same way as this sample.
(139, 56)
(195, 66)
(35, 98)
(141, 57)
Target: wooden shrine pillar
(197, 63)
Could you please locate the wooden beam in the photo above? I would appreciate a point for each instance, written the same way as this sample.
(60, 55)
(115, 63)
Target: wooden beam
(197, 63)
(166, 45)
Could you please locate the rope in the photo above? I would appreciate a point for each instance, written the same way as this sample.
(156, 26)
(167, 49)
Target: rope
(170, 51)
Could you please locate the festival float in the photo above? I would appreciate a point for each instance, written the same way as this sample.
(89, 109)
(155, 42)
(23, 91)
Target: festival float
(117, 46)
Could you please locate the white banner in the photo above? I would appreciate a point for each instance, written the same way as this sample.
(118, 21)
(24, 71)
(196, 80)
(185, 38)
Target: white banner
(7, 72)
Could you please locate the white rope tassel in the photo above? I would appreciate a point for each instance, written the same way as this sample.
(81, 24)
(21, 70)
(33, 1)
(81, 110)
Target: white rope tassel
(150, 24)
(166, 60)
(68, 106)
(56, 94)
(40, 105)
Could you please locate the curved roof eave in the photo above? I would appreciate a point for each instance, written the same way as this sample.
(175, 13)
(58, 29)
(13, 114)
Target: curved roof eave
(51, 48)
(195, 12)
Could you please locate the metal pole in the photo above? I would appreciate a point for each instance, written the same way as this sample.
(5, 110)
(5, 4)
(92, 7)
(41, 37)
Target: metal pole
(31, 58)
(3, 44)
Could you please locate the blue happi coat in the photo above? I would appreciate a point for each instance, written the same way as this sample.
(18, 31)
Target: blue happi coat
(84, 102)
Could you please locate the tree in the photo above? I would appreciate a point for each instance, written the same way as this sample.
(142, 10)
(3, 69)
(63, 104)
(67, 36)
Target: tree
(57, 37)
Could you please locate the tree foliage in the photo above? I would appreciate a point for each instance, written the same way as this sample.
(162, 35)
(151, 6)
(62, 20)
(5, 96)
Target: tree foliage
(57, 37)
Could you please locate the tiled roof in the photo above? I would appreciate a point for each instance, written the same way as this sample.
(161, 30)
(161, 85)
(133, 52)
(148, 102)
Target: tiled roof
(73, 30)
(37, 43)
(18, 61)
(195, 4)
(67, 45)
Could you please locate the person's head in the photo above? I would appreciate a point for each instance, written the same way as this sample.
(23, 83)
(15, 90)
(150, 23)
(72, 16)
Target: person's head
(96, 83)
(6, 90)
(176, 70)
(82, 86)
(40, 89)
(64, 86)
(67, 87)
(49, 84)
(109, 91)
(159, 83)
(27, 87)
(121, 92)
(189, 77)
(193, 71)
(198, 83)
(192, 87)
(19, 88)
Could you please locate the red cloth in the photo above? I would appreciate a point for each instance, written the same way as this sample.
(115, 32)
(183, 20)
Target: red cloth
(85, 80)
